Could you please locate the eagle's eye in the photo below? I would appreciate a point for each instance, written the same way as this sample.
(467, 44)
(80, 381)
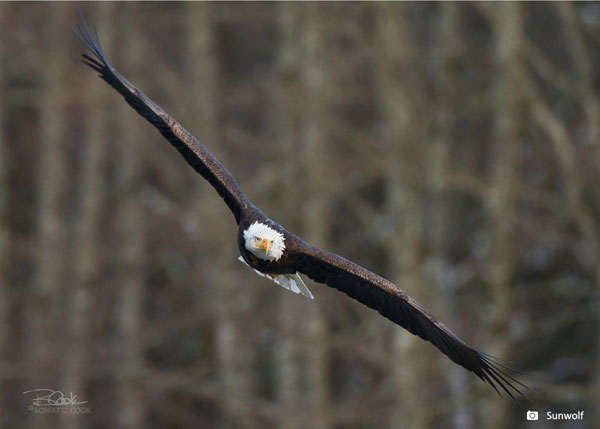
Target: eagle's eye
(257, 240)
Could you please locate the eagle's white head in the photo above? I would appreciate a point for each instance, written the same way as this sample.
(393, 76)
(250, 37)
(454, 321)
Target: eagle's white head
(264, 242)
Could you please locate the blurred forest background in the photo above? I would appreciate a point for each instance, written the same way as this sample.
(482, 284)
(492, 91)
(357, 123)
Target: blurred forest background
(453, 148)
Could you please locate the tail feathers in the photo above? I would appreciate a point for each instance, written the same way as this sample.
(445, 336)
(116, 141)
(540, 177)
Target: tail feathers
(291, 282)
(294, 283)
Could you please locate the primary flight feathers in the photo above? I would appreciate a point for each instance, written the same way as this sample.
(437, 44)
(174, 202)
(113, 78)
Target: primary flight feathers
(271, 250)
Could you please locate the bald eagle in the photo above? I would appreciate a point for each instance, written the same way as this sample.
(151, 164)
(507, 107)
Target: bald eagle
(273, 252)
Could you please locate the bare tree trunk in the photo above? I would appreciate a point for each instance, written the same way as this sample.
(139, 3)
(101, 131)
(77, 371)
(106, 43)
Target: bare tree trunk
(449, 83)
(402, 204)
(202, 67)
(315, 209)
(132, 231)
(302, 33)
(203, 71)
(46, 298)
(4, 232)
(501, 202)
(86, 254)
(235, 371)
(288, 388)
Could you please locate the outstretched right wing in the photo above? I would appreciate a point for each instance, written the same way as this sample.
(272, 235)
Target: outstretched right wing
(393, 303)
(194, 153)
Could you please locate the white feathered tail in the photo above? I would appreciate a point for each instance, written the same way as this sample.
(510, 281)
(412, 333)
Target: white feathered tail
(291, 282)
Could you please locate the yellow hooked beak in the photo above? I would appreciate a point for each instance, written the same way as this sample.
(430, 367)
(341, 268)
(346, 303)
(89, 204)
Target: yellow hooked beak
(264, 245)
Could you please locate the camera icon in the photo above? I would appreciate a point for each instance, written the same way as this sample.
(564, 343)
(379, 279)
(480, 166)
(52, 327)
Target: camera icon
(532, 415)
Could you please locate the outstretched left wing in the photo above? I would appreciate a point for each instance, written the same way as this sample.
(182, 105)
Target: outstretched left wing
(393, 303)
(194, 153)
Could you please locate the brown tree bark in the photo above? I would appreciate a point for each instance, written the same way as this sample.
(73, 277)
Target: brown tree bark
(86, 255)
(403, 204)
(234, 372)
(501, 202)
(288, 388)
(132, 231)
(315, 209)
(301, 371)
(4, 229)
(440, 169)
(46, 308)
